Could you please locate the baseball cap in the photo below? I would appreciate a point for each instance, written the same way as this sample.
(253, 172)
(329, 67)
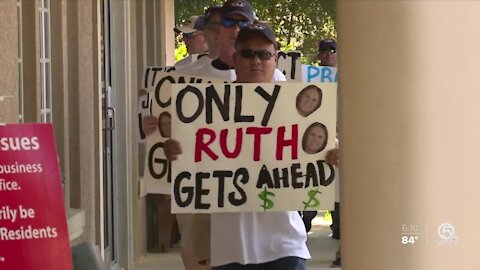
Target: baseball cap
(256, 28)
(240, 7)
(210, 11)
(327, 44)
(193, 24)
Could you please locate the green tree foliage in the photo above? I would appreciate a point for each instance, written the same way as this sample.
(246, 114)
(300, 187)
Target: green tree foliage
(298, 24)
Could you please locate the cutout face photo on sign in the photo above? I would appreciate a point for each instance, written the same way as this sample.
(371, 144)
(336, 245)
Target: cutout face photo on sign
(164, 124)
(315, 138)
(309, 100)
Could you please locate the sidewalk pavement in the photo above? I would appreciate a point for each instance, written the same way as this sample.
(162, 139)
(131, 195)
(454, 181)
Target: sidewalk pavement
(322, 248)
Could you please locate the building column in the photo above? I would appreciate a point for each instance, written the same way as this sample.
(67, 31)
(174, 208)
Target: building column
(409, 133)
(83, 113)
(165, 16)
(8, 61)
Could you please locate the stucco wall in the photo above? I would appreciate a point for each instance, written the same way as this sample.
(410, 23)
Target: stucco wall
(409, 129)
(8, 61)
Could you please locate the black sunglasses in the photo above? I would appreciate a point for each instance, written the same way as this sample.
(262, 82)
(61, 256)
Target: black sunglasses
(328, 50)
(261, 54)
(189, 35)
(231, 22)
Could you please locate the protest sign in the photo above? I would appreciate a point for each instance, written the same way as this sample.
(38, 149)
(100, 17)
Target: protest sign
(289, 63)
(157, 103)
(145, 100)
(319, 74)
(33, 226)
(253, 147)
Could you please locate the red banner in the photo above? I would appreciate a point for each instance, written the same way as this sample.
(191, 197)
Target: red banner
(33, 227)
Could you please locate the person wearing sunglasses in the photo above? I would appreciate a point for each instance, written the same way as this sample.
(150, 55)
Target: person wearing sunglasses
(255, 58)
(257, 240)
(195, 36)
(196, 228)
(192, 35)
(234, 15)
(327, 52)
(212, 21)
(220, 68)
(254, 240)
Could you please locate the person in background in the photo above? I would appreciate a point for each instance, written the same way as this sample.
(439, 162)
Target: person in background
(327, 53)
(234, 15)
(333, 158)
(197, 42)
(211, 23)
(192, 35)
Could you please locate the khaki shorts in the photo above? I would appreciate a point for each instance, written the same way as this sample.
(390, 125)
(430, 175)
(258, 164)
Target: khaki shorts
(195, 234)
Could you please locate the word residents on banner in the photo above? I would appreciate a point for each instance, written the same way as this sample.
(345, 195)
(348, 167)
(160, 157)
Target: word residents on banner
(319, 74)
(253, 147)
(33, 225)
(157, 102)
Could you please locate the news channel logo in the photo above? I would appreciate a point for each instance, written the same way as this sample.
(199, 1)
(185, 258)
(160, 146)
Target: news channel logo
(446, 232)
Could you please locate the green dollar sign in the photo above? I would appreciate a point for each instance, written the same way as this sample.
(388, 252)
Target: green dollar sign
(312, 202)
(267, 203)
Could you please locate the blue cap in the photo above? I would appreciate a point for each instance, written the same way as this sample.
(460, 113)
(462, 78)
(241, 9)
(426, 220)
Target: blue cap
(240, 7)
(256, 28)
(327, 44)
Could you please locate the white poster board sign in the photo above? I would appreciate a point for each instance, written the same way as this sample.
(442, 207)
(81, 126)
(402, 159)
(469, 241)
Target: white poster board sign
(319, 74)
(253, 147)
(157, 103)
(289, 63)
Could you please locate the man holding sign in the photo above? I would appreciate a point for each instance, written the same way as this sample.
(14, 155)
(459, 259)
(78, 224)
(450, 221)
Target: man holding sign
(263, 240)
(234, 15)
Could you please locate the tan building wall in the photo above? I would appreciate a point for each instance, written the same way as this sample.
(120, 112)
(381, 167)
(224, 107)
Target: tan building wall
(153, 24)
(410, 124)
(8, 62)
(74, 88)
(76, 96)
(30, 61)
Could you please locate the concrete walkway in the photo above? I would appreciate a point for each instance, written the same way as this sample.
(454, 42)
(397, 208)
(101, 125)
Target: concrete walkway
(321, 245)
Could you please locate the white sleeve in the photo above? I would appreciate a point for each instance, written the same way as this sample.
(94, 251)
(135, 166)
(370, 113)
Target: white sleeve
(278, 76)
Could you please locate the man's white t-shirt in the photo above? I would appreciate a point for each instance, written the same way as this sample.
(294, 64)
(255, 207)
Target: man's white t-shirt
(185, 61)
(257, 237)
(207, 69)
(188, 68)
(252, 237)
